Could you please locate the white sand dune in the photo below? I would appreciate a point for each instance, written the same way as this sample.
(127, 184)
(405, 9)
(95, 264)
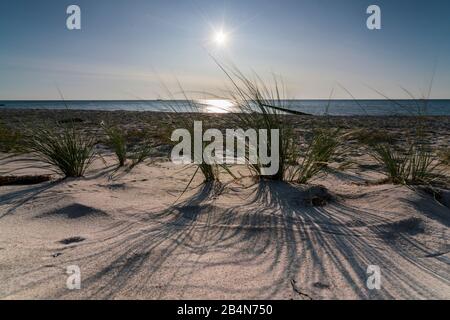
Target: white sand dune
(268, 240)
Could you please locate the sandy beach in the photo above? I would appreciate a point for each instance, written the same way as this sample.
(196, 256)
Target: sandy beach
(133, 237)
(220, 158)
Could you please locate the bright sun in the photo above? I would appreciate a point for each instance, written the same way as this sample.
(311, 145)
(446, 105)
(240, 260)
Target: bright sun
(220, 38)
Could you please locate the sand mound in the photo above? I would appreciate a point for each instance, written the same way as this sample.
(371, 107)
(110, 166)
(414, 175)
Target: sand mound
(74, 211)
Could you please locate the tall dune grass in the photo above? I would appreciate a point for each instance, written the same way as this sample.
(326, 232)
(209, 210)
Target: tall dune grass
(68, 150)
(125, 145)
(259, 107)
(116, 140)
(184, 114)
(139, 153)
(415, 165)
(262, 107)
(317, 156)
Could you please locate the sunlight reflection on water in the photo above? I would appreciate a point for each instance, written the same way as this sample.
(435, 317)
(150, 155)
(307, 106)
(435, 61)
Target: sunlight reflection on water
(217, 105)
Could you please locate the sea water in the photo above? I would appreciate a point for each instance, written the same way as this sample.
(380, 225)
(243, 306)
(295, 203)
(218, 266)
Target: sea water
(315, 107)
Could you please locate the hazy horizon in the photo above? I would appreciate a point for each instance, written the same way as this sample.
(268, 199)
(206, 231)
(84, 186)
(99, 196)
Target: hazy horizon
(132, 50)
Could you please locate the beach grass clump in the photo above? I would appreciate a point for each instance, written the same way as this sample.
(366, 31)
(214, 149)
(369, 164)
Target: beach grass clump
(183, 116)
(139, 153)
(68, 149)
(393, 161)
(186, 120)
(415, 162)
(413, 165)
(317, 155)
(422, 165)
(260, 107)
(133, 144)
(116, 140)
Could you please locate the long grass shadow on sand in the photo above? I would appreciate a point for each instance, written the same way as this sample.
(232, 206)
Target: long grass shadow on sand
(264, 246)
(138, 248)
(17, 198)
(341, 241)
(275, 225)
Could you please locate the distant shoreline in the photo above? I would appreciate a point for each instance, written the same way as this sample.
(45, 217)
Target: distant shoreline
(151, 112)
(433, 107)
(95, 112)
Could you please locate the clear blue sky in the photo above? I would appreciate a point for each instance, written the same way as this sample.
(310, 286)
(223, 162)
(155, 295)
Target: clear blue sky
(127, 48)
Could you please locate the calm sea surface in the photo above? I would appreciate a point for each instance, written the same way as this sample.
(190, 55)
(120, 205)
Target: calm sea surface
(316, 107)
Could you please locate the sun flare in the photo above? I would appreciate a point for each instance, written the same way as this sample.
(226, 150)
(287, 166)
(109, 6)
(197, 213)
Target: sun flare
(220, 38)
